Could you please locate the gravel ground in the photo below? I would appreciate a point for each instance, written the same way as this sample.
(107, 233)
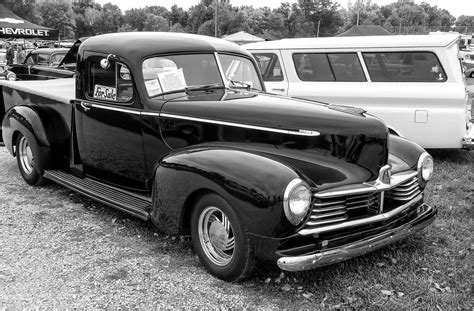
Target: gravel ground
(60, 250)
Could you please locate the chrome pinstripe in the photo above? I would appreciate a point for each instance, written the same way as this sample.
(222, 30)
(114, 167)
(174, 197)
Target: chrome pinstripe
(300, 132)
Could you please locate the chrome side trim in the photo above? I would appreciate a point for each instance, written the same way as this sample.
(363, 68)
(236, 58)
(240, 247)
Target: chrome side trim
(364, 221)
(247, 126)
(99, 106)
(375, 186)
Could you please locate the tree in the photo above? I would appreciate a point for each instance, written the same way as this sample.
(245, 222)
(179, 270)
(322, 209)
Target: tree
(465, 20)
(436, 16)
(26, 9)
(58, 16)
(178, 16)
(369, 14)
(318, 18)
(111, 18)
(135, 18)
(207, 28)
(155, 23)
(177, 28)
(199, 14)
(83, 26)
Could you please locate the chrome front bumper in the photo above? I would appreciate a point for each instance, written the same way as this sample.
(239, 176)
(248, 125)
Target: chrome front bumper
(297, 263)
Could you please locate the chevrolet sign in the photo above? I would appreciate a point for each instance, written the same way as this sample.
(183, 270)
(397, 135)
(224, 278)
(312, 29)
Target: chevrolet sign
(24, 32)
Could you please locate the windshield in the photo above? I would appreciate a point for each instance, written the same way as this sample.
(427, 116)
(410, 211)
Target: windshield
(177, 73)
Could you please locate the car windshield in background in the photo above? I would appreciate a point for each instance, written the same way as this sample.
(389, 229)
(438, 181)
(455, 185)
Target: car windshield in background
(176, 73)
(404, 67)
(240, 72)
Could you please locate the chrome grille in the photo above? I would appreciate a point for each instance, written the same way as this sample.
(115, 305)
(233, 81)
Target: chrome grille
(405, 191)
(333, 210)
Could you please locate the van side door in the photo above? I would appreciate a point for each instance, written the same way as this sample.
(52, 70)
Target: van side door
(273, 71)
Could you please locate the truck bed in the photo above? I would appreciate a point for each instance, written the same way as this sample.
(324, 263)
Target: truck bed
(62, 90)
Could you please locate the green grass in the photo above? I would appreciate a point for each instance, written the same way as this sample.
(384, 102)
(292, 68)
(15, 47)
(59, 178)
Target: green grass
(430, 270)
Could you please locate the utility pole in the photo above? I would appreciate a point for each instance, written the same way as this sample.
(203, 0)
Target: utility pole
(319, 24)
(215, 19)
(357, 13)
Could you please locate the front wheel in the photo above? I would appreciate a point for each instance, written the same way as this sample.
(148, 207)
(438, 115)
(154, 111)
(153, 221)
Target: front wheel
(27, 159)
(220, 239)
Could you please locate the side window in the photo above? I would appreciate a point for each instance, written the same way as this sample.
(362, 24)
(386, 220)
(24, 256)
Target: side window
(346, 67)
(30, 60)
(113, 84)
(328, 67)
(56, 59)
(42, 59)
(404, 67)
(269, 66)
(312, 67)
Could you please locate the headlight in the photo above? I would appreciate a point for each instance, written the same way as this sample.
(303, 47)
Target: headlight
(296, 201)
(11, 76)
(425, 166)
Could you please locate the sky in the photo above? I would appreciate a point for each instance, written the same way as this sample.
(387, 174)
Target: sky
(455, 7)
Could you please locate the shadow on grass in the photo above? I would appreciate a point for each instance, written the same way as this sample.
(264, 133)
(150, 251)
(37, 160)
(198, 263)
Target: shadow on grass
(452, 155)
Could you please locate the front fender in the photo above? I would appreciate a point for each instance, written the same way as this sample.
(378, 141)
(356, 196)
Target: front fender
(252, 184)
(403, 154)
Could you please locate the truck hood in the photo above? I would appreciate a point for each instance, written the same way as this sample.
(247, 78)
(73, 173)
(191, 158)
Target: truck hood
(274, 111)
(344, 145)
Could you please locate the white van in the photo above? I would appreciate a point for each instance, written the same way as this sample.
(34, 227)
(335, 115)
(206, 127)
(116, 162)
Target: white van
(414, 83)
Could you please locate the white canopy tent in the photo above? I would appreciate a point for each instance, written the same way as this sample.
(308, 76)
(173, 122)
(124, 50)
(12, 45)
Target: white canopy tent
(242, 37)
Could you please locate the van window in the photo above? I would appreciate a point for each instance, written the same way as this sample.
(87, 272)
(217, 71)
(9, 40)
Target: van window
(346, 67)
(269, 66)
(404, 67)
(328, 67)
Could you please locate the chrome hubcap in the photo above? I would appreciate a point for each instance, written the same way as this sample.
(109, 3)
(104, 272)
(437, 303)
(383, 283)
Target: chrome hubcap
(216, 236)
(26, 156)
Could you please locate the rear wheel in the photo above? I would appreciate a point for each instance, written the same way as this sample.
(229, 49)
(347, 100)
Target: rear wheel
(220, 239)
(28, 161)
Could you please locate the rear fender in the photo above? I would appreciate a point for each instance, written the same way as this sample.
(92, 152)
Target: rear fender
(23, 119)
(252, 184)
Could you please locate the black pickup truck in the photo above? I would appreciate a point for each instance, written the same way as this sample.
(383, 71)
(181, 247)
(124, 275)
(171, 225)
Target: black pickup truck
(178, 129)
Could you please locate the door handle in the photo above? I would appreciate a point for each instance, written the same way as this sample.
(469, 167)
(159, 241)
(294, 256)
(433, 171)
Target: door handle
(86, 106)
(277, 89)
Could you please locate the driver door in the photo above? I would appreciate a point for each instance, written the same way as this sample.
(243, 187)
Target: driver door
(109, 126)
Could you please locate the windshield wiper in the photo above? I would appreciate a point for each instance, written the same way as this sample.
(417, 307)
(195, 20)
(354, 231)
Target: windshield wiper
(245, 85)
(197, 88)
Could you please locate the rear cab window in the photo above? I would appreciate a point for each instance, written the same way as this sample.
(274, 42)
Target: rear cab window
(404, 67)
(113, 84)
(328, 67)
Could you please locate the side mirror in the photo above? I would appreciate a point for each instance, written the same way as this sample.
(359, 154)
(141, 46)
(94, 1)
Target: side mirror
(105, 62)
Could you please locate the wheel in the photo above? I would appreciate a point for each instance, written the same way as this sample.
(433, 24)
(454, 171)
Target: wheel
(27, 160)
(220, 239)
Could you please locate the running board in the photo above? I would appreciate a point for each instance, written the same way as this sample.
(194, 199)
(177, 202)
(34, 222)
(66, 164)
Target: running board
(126, 201)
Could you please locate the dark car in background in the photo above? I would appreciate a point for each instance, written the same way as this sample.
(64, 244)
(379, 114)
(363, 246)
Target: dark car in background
(48, 63)
(42, 64)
